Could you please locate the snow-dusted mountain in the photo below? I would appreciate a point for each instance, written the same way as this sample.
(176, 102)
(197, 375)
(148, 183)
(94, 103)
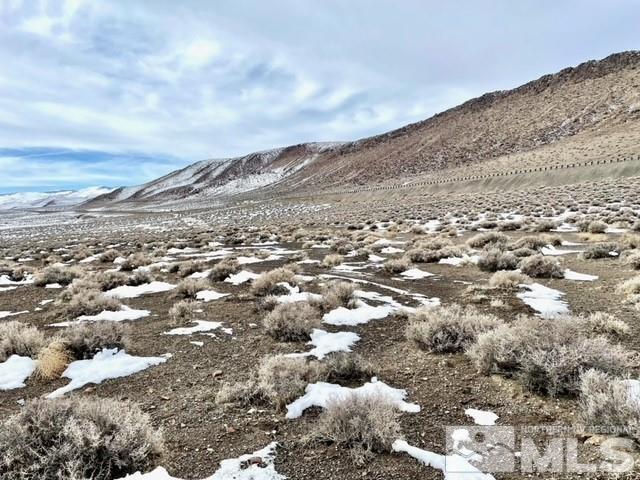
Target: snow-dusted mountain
(229, 176)
(64, 198)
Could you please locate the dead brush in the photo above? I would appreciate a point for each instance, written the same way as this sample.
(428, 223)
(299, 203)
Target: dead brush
(448, 329)
(84, 340)
(78, 438)
(540, 266)
(332, 260)
(363, 424)
(17, 338)
(189, 288)
(61, 275)
(337, 294)
(549, 356)
(224, 268)
(182, 312)
(292, 322)
(269, 283)
(508, 280)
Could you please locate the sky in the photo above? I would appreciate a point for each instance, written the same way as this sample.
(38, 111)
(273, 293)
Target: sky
(118, 92)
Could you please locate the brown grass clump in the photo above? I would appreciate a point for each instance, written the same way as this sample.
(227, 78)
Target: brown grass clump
(53, 360)
(363, 424)
(548, 356)
(224, 268)
(84, 340)
(448, 329)
(56, 274)
(78, 438)
(291, 322)
(17, 338)
(506, 280)
(540, 266)
(268, 282)
(332, 260)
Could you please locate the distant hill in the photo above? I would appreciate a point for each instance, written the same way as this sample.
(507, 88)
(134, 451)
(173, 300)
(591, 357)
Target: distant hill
(64, 198)
(591, 110)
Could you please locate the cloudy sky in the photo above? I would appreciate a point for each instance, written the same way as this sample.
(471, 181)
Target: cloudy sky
(117, 92)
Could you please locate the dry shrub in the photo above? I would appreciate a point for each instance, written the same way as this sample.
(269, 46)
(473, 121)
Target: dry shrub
(548, 355)
(182, 312)
(448, 329)
(224, 268)
(291, 322)
(629, 241)
(268, 282)
(633, 260)
(396, 265)
(543, 226)
(283, 379)
(189, 267)
(630, 289)
(88, 302)
(481, 240)
(108, 280)
(189, 287)
(495, 259)
(53, 360)
(84, 340)
(347, 367)
(140, 277)
(506, 280)
(109, 256)
(338, 294)
(78, 438)
(332, 260)
(56, 274)
(531, 242)
(137, 260)
(596, 226)
(605, 400)
(595, 252)
(364, 424)
(602, 323)
(17, 338)
(278, 381)
(540, 266)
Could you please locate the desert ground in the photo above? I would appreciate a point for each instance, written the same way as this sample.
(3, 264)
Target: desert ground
(323, 337)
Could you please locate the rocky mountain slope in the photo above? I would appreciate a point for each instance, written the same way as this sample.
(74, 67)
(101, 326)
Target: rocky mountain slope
(576, 107)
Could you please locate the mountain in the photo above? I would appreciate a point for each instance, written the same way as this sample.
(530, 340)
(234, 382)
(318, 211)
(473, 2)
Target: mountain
(65, 198)
(587, 112)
